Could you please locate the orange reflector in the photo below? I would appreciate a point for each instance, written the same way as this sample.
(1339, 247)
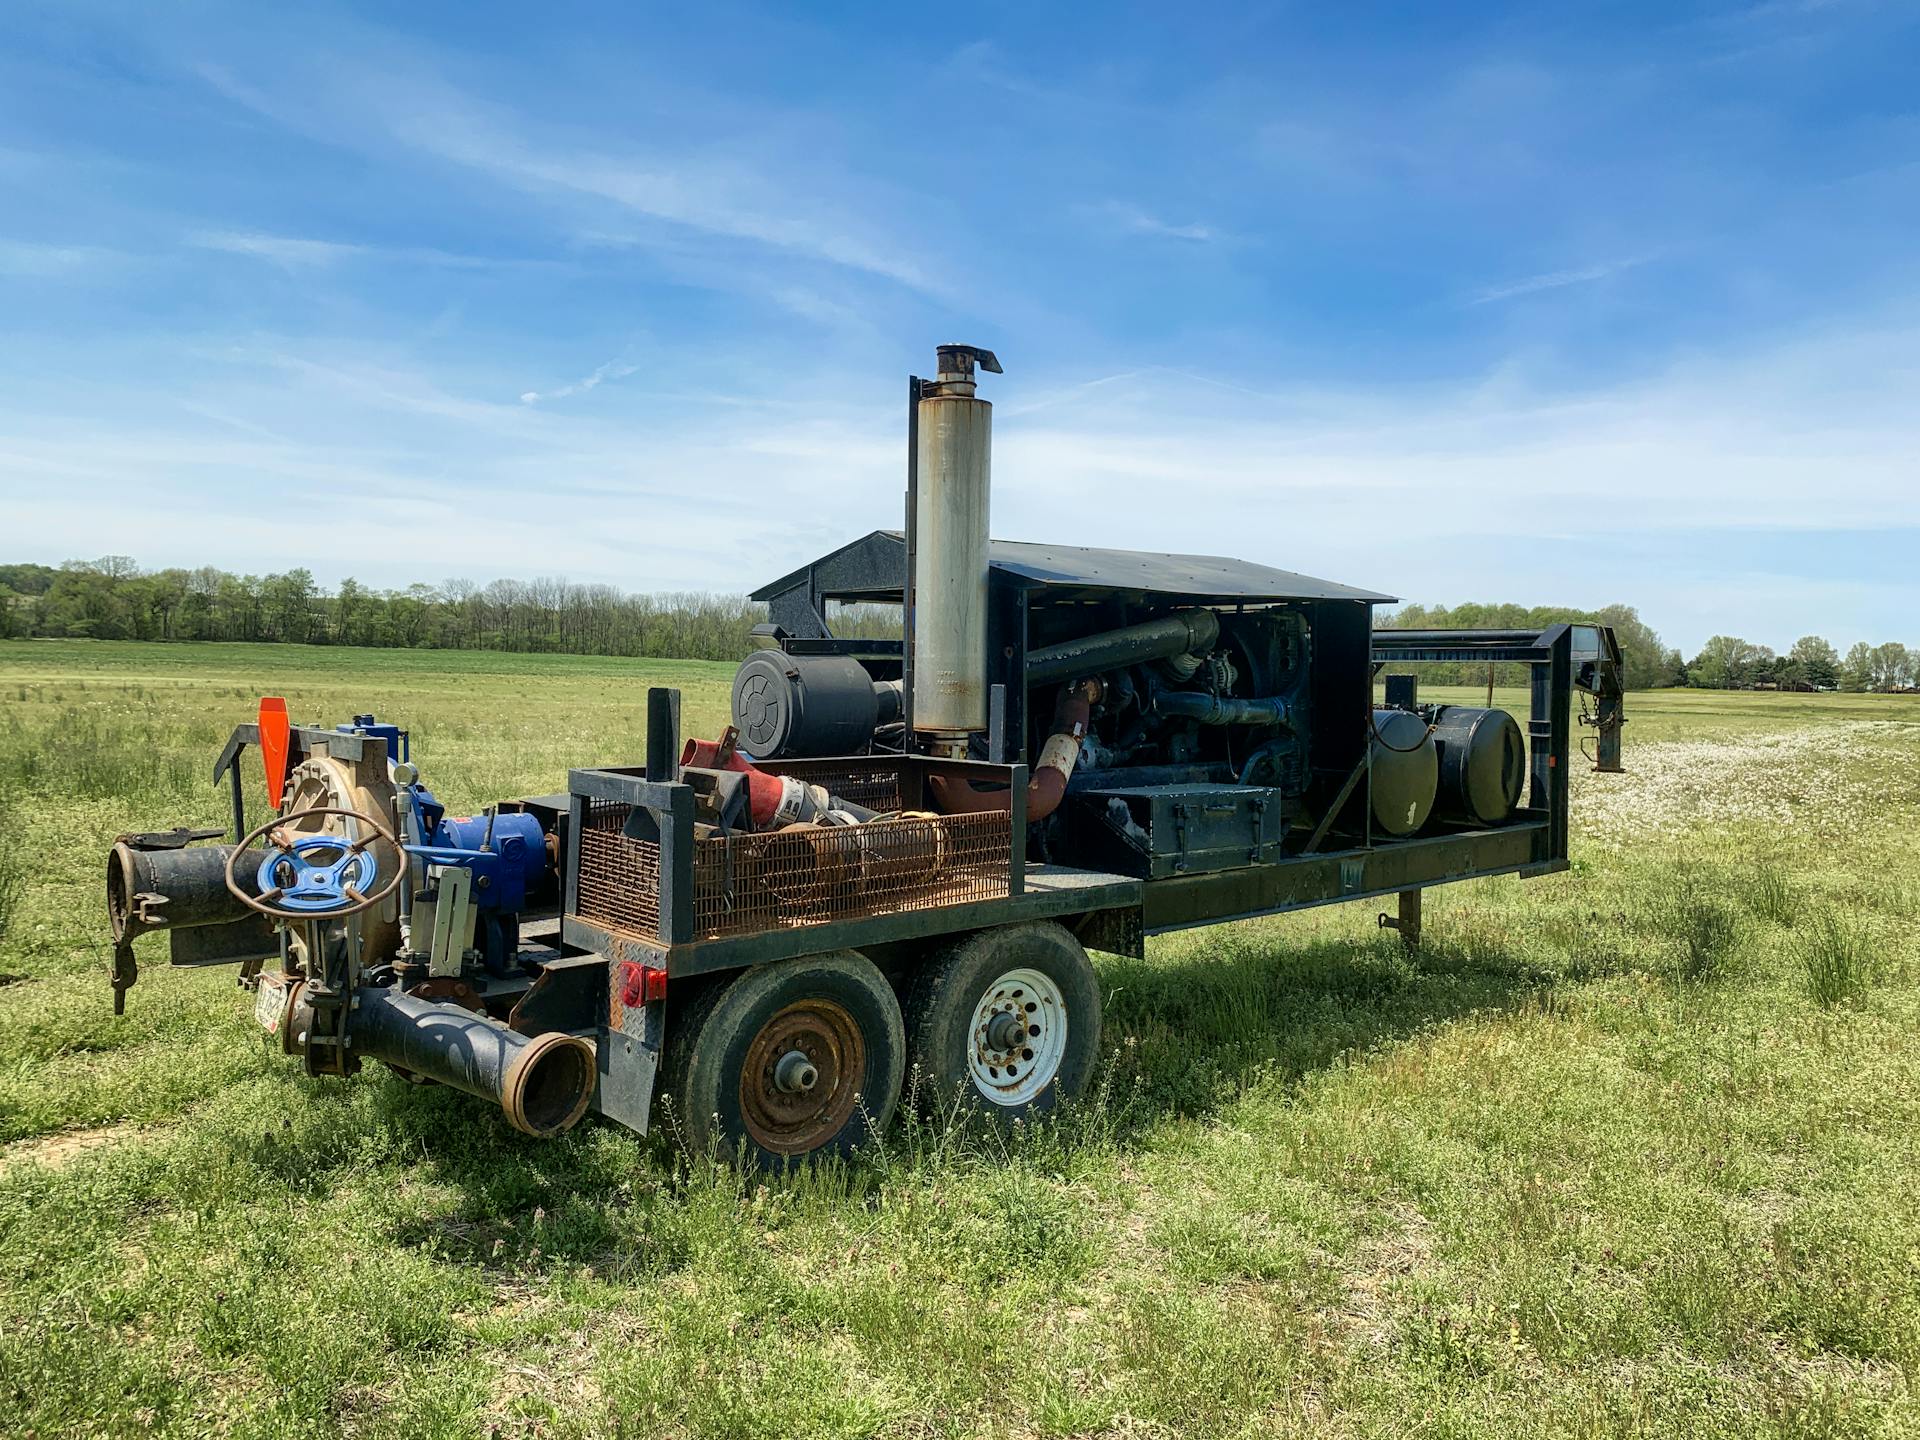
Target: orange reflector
(274, 734)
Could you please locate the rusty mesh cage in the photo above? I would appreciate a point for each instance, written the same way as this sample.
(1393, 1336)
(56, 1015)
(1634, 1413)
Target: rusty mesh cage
(874, 789)
(619, 876)
(802, 875)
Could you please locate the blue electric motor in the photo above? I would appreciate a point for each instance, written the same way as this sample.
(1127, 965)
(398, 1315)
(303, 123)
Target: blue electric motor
(517, 840)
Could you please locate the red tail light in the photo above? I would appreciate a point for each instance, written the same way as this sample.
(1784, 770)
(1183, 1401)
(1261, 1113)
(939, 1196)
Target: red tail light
(641, 984)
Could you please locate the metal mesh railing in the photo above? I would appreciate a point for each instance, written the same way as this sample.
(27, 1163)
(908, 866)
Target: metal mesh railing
(803, 875)
(877, 790)
(619, 876)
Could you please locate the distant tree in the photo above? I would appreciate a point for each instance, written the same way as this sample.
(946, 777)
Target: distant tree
(27, 579)
(1856, 671)
(1724, 662)
(1819, 662)
(1891, 667)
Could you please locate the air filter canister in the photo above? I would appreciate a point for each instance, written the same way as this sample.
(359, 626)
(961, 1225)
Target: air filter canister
(796, 705)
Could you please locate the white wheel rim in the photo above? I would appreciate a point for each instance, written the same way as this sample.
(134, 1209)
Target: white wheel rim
(1016, 1072)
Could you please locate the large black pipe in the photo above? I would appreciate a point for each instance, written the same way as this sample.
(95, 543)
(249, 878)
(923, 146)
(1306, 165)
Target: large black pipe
(543, 1082)
(1184, 632)
(177, 889)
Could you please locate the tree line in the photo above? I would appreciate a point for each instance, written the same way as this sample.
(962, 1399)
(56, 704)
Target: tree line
(112, 598)
(1727, 662)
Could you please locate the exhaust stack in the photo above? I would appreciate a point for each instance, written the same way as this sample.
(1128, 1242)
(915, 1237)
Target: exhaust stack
(953, 480)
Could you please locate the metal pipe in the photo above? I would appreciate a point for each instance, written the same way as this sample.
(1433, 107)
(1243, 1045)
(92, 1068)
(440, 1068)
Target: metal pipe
(1394, 639)
(1184, 632)
(1048, 786)
(175, 889)
(954, 430)
(542, 1082)
(1223, 709)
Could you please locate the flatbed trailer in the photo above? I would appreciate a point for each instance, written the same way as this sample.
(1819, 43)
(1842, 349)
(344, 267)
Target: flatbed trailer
(893, 860)
(667, 924)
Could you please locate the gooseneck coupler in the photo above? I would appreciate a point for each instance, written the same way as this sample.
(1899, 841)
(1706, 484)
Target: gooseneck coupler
(952, 484)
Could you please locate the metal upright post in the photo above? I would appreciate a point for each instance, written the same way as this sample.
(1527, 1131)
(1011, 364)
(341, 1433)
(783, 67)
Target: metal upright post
(663, 734)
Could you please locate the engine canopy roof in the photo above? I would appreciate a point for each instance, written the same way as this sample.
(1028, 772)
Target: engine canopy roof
(874, 567)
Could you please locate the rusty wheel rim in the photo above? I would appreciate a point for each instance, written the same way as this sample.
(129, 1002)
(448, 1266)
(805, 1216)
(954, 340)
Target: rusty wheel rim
(801, 1079)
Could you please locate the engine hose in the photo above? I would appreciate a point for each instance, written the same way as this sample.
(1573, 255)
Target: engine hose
(1223, 709)
(1048, 786)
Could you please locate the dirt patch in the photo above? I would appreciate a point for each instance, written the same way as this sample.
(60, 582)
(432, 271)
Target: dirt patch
(56, 1150)
(1376, 1265)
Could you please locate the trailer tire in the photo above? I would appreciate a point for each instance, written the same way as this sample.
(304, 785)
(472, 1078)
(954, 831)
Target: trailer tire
(1034, 985)
(788, 1061)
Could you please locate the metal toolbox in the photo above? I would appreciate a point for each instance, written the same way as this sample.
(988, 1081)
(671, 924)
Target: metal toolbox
(1181, 829)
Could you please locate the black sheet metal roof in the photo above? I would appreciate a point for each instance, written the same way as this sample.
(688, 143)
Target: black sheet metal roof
(1085, 567)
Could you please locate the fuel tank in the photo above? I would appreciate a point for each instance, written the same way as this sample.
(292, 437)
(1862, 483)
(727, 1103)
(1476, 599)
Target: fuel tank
(1406, 771)
(1483, 764)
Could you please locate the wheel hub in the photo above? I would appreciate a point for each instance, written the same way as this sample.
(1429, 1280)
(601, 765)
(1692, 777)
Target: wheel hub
(1004, 1031)
(795, 1073)
(802, 1076)
(1019, 1037)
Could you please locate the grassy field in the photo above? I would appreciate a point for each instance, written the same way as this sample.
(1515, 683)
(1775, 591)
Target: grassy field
(1628, 1150)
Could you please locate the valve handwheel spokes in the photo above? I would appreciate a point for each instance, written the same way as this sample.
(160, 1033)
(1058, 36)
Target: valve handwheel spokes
(316, 876)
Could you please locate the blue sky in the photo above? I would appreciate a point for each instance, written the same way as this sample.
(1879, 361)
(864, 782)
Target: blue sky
(1552, 304)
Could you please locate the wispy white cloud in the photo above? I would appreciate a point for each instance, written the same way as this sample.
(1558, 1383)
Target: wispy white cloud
(719, 189)
(290, 252)
(1554, 280)
(299, 252)
(612, 370)
(1143, 222)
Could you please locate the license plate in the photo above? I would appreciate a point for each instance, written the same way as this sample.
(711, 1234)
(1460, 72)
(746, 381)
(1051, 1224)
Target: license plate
(269, 1005)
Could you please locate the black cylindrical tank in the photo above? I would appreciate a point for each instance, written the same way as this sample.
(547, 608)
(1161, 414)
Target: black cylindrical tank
(788, 705)
(1483, 764)
(1406, 771)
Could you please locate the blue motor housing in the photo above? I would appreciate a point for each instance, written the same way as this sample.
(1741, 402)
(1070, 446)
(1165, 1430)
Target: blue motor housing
(519, 842)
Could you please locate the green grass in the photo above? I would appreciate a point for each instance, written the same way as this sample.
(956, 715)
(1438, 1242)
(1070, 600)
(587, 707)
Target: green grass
(1627, 1150)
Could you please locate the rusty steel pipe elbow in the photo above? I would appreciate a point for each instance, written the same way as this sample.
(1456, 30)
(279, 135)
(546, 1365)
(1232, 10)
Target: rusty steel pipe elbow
(1048, 785)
